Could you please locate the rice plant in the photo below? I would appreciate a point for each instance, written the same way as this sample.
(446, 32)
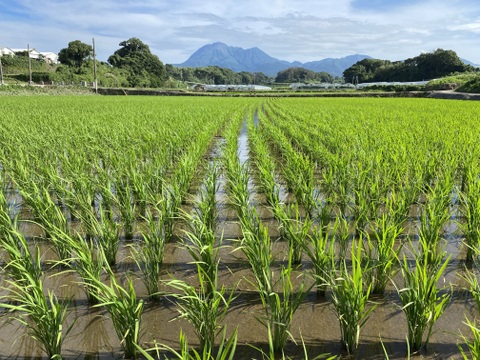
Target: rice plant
(102, 229)
(205, 308)
(433, 217)
(320, 248)
(149, 257)
(43, 315)
(471, 277)
(472, 345)
(206, 206)
(293, 229)
(382, 253)
(422, 301)
(200, 242)
(126, 207)
(470, 209)
(279, 307)
(350, 298)
(124, 307)
(169, 205)
(342, 236)
(225, 351)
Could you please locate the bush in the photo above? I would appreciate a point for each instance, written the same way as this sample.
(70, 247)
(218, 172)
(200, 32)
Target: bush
(458, 79)
(472, 86)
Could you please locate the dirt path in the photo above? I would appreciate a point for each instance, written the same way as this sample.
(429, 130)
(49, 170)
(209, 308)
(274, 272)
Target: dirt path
(450, 94)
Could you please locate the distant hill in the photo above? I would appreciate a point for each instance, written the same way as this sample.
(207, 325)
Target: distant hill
(256, 60)
(469, 63)
(333, 66)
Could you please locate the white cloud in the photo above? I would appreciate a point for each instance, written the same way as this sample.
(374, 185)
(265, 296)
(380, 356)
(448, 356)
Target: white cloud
(471, 27)
(303, 30)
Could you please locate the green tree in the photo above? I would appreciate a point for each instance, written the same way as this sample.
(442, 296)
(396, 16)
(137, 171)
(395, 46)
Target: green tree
(75, 54)
(425, 66)
(145, 69)
(438, 63)
(295, 74)
(324, 76)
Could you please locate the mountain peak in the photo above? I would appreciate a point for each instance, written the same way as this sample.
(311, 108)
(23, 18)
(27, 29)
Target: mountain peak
(256, 60)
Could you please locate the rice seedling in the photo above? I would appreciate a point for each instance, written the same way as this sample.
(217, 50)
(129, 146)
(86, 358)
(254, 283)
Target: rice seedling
(293, 229)
(107, 235)
(149, 257)
(43, 315)
(470, 275)
(472, 345)
(206, 206)
(341, 233)
(422, 301)
(433, 217)
(470, 209)
(324, 212)
(85, 261)
(280, 306)
(381, 253)
(124, 307)
(226, 350)
(430, 232)
(102, 229)
(169, 206)
(350, 298)
(205, 308)
(200, 243)
(320, 248)
(126, 207)
(52, 218)
(272, 355)
(140, 189)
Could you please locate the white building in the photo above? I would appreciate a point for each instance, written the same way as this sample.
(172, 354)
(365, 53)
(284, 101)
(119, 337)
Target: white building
(48, 56)
(4, 51)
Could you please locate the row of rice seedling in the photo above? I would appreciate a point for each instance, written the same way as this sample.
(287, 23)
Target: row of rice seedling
(279, 296)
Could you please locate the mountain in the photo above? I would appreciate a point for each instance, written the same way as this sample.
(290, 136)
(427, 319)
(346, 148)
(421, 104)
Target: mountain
(256, 60)
(235, 58)
(469, 63)
(333, 66)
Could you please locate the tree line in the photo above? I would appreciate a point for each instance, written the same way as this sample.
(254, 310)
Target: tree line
(425, 66)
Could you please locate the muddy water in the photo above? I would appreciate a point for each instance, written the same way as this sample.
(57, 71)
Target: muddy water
(93, 336)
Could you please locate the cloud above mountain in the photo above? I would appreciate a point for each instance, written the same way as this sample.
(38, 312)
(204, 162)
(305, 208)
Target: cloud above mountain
(301, 30)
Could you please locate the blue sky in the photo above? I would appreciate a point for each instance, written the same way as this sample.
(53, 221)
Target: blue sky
(302, 30)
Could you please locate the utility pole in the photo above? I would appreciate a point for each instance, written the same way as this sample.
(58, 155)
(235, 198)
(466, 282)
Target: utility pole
(29, 64)
(1, 71)
(94, 68)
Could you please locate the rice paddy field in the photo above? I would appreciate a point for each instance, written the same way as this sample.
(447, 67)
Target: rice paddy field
(239, 228)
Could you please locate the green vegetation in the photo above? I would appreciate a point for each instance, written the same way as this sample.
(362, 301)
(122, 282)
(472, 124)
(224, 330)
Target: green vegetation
(215, 75)
(471, 86)
(298, 74)
(232, 210)
(452, 81)
(143, 68)
(425, 66)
